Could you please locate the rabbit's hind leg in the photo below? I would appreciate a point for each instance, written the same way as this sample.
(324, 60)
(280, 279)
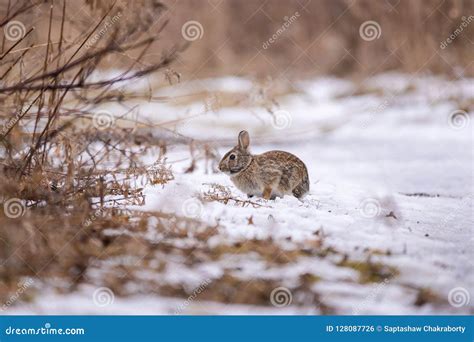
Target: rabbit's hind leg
(301, 189)
(267, 193)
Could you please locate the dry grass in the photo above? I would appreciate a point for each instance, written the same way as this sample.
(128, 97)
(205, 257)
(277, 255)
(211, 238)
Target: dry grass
(66, 178)
(71, 180)
(324, 39)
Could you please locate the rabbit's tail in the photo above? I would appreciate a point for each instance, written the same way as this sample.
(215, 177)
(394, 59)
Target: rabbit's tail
(303, 187)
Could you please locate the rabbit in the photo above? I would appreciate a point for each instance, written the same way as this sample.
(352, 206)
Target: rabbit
(269, 175)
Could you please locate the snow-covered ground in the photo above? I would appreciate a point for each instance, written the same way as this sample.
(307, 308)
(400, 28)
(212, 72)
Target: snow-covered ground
(387, 227)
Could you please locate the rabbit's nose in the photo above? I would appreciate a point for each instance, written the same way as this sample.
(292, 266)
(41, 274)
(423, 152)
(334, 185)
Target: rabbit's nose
(222, 166)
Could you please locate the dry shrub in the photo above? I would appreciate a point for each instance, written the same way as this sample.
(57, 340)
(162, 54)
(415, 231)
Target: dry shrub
(63, 176)
(324, 39)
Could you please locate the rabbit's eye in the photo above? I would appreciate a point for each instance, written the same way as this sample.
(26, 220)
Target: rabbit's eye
(232, 157)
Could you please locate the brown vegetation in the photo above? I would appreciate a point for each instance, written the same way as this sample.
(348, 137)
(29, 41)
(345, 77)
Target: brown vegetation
(70, 177)
(62, 174)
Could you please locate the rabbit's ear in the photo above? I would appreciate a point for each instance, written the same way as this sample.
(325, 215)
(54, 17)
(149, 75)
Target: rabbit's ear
(244, 140)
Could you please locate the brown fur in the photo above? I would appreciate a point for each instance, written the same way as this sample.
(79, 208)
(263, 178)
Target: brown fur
(268, 175)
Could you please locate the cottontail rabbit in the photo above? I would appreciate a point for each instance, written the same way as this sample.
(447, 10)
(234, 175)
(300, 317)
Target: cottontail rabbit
(267, 175)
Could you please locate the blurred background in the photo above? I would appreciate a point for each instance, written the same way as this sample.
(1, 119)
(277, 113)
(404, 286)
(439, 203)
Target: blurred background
(311, 37)
(114, 116)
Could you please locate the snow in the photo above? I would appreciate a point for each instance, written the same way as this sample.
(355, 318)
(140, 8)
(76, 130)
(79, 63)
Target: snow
(369, 158)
